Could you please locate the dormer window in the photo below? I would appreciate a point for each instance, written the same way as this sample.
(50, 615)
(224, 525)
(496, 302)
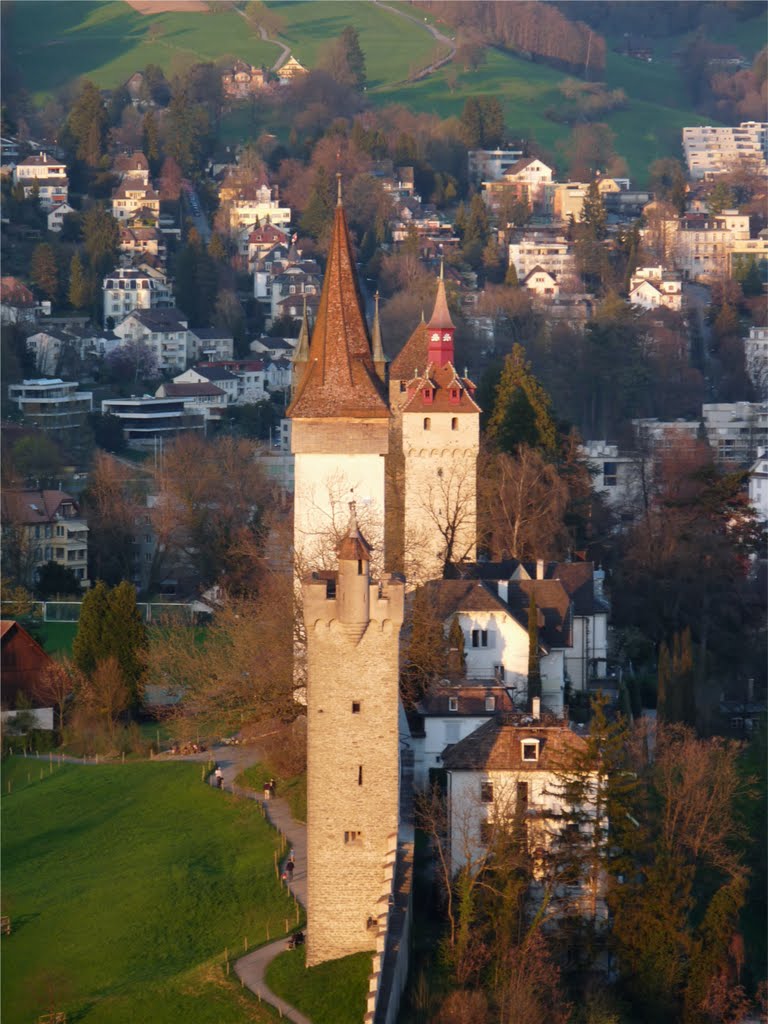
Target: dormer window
(455, 394)
(490, 703)
(453, 703)
(529, 750)
(428, 394)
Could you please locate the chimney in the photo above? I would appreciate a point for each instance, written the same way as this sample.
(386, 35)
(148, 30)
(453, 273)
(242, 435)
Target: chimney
(539, 568)
(536, 708)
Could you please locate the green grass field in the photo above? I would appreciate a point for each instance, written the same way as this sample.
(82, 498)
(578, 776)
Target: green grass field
(293, 789)
(125, 884)
(332, 993)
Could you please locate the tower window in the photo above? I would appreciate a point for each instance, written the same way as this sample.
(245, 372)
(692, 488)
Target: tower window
(355, 707)
(353, 837)
(427, 423)
(359, 775)
(455, 423)
(359, 567)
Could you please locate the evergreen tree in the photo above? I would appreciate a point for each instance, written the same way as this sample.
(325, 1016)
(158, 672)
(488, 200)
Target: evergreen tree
(79, 293)
(351, 57)
(101, 238)
(125, 636)
(457, 657)
(534, 669)
(510, 278)
(90, 644)
(593, 216)
(151, 140)
(720, 198)
(86, 125)
(318, 213)
(664, 678)
(522, 409)
(44, 271)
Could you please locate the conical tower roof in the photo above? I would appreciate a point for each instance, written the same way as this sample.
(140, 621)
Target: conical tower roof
(340, 379)
(376, 344)
(441, 317)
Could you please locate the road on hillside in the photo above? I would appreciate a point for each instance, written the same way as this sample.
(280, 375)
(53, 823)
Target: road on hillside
(434, 32)
(195, 211)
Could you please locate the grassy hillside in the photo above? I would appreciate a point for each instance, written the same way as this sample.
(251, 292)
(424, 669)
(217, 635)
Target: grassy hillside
(124, 885)
(53, 43)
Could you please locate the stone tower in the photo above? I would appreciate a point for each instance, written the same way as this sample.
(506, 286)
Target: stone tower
(339, 432)
(434, 446)
(353, 626)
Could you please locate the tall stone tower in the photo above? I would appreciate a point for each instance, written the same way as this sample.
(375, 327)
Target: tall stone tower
(353, 626)
(339, 432)
(434, 446)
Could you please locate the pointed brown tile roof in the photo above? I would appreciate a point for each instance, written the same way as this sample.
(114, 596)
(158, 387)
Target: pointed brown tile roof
(441, 316)
(412, 357)
(340, 378)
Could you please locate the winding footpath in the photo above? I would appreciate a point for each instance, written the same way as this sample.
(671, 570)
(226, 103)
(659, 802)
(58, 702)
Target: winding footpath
(252, 967)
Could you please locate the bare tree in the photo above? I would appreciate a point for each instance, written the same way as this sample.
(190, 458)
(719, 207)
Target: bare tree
(522, 502)
(57, 684)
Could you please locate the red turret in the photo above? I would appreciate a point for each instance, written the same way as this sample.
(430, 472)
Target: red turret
(441, 328)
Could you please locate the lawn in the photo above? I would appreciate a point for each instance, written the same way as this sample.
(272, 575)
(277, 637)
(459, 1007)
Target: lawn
(125, 884)
(331, 993)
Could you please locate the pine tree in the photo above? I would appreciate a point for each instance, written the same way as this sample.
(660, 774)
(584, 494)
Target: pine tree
(664, 677)
(126, 636)
(79, 293)
(534, 667)
(350, 49)
(101, 237)
(151, 139)
(593, 216)
(90, 646)
(44, 271)
(522, 409)
(457, 657)
(318, 213)
(86, 124)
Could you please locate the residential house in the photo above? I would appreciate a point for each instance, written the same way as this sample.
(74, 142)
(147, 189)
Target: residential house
(514, 768)
(52, 405)
(242, 80)
(132, 196)
(61, 349)
(132, 167)
(17, 303)
(549, 252)
(248, 373)
(140, 243)
(524, 182)
(23, 662)
(493, 616)
(210, 343)
(202, 399)
(164, 331)
(297, 280)
(147, 421)
(701, 244)
(756, 359)
(263, 239)
(491, 164)
(711, 151)
(617, 477)
(249, 205)
(651, 287)
(209, 373)
(290, 70)
(57, 215)
(45, 174)
(125, 289)
(541, 282)
(45, 526)
(278, 374)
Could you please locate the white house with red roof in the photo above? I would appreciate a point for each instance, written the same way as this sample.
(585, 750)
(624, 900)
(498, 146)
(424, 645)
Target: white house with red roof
(47, 175)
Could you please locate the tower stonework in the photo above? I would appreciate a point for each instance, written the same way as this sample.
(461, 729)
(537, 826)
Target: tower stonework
(352, 625)
(433, 451)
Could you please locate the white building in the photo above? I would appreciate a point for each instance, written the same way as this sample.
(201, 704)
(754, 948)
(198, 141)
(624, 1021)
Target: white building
(57, 215)
(46, 174)
(710, 151)
(146, 421)
(55, 406)
(131, 196)
(652, 287)
(491, 164)
(551, 253)
(735, 430)
(756, 359)
(164, 331)
(758, 485)
(126, 289)
(47, 524)
(615, 476)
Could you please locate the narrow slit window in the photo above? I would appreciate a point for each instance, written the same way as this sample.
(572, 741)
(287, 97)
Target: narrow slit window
(355, 707)
(359, 775)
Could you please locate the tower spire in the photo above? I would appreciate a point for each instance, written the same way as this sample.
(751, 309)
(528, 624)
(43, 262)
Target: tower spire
(338, 188)
(301, 352)
(377, 348)
(441, 328)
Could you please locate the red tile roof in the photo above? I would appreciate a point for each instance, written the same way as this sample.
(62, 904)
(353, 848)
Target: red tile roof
(440, 390)
(496, 746)
(340, 378)
(412, 358)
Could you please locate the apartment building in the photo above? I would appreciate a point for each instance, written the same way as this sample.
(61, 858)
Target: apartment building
(46, 174)
(45, 526)
(53, 405)
(711, 151)
(126, 289)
